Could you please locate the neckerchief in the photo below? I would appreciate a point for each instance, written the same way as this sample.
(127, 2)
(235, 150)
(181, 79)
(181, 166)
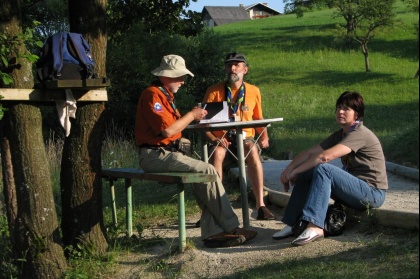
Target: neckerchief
(171, 100)
(346, 158)
(234, 106)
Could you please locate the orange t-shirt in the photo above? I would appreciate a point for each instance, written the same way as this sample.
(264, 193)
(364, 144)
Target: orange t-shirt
(250, 109)
(154, 114)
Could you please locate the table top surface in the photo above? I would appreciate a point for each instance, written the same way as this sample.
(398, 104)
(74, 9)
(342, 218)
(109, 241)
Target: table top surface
(235, 124)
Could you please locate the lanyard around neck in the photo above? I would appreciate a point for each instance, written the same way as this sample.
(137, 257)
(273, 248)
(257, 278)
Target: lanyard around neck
(229, 98)
(170, 100)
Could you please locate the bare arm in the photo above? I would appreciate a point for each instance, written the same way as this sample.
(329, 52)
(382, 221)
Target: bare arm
(179, 125)
(309, 159)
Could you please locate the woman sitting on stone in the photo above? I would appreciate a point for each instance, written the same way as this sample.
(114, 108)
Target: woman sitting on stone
(360, 184)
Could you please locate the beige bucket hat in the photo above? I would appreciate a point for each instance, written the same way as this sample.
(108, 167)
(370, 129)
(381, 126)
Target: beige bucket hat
(172, 66)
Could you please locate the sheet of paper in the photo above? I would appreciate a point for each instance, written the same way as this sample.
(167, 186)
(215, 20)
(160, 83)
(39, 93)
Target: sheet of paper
(217, 112)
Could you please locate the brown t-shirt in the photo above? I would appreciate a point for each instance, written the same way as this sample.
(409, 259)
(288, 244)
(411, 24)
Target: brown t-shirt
(367, 160)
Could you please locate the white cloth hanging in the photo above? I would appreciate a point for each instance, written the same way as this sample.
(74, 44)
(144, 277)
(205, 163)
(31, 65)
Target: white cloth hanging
(66, 109)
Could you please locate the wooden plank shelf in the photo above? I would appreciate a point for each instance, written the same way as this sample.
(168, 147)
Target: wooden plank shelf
(77, 83)
(40, 95)
(84, 90)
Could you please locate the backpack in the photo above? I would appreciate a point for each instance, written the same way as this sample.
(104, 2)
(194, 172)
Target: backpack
(65, 55)
(334, 221)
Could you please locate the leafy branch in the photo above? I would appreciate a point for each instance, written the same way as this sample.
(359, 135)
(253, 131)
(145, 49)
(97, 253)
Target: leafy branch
(10, 54)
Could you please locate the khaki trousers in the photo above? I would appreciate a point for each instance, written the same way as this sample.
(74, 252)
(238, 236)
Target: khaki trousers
(217, 213)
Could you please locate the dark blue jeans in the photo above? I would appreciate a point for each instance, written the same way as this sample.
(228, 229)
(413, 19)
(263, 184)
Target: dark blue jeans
(313, 189)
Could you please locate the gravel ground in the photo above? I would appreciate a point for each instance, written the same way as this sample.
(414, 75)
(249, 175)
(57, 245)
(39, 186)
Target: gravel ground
(197, 261)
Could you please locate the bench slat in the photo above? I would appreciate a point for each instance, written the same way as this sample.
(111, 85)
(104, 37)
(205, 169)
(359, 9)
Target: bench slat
(172, 177)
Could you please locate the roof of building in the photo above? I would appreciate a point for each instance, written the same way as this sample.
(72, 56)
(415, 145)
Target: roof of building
(264, 5)
(224, 14)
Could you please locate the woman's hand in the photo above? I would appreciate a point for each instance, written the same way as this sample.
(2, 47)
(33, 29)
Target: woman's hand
(284, 181)
(288, 180)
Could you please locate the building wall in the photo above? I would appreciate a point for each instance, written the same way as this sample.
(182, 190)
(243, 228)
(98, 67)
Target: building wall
(259, 12)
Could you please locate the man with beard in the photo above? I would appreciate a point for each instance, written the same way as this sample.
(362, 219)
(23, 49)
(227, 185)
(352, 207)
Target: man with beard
(244, 101)
(158, 129)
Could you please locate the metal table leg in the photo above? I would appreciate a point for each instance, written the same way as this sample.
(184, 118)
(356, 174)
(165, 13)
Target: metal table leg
(242, 176)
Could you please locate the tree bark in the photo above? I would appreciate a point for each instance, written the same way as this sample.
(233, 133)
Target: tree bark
(9, 189)
(81, 195)
(365, 51)
(81, 163)
(36, 232)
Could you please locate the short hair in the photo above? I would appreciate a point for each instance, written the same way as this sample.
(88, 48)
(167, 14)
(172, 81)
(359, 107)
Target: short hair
(354, 101)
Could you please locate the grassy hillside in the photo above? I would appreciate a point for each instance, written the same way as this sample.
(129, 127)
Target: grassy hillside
(301, 68)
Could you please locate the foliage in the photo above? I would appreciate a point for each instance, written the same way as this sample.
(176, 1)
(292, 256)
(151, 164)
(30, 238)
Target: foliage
(298, 7)
(155, 16)
(364, 18)
(130, 61)
(7, 267)
(53, 16)
(10, 56)
(83, 262)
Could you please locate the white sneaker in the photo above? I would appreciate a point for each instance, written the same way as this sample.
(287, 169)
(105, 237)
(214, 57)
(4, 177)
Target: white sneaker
(284, 233)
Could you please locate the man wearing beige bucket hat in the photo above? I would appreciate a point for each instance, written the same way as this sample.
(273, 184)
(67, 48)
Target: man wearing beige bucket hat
(158, 131)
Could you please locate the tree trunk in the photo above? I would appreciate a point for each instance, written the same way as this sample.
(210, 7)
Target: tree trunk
(36, 232)
(81, 163)
(81, 194)
(9, 189)
(365, 51)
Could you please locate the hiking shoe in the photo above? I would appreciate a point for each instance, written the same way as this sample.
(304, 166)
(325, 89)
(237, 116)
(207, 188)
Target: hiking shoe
(224, 239)
(248, 234)
(265, 214)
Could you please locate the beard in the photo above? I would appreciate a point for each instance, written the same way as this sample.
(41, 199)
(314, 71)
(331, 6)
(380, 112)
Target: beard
(232, 77)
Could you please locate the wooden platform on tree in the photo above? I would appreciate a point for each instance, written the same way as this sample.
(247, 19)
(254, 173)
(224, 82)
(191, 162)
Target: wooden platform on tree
(84, 90)
(77, 83)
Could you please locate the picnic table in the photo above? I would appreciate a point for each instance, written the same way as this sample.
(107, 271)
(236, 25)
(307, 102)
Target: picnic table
(238, 126)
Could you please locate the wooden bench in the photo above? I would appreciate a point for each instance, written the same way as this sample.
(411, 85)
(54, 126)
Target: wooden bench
(178, 178)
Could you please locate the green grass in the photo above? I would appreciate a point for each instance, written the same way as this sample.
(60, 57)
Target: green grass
(301, 69)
